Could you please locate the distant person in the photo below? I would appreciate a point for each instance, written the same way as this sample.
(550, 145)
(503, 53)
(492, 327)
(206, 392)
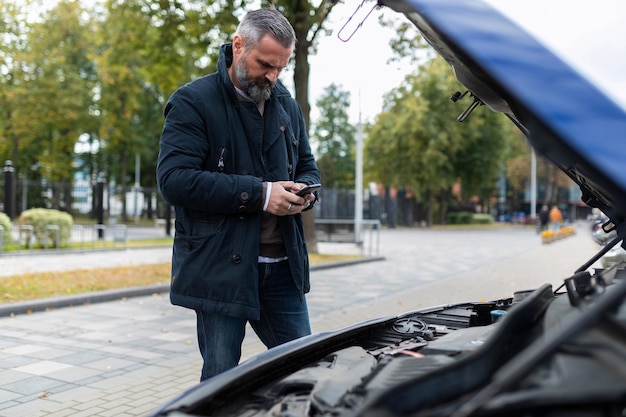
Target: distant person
(233, 153)
(544, 217)
(556, 219)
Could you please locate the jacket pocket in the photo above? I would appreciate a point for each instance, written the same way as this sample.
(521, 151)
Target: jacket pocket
(199, 225)
(196, 253)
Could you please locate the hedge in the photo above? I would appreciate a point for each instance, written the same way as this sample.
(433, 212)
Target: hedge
(41, 218)
(465, 217)
(5, 223)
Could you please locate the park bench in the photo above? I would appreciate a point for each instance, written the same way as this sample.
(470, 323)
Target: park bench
(344, 231)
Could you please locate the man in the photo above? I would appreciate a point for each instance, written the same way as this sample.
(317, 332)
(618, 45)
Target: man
(556, 218)
(233, 153)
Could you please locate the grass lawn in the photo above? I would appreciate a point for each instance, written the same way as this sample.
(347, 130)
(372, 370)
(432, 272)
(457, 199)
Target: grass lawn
(54, 284)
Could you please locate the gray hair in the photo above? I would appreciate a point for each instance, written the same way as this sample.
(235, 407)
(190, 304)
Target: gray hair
(268, 21)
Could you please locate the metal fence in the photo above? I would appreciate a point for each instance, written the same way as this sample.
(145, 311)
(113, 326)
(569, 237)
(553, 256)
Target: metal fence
(87, 202)
(90, 202)
(83, 238)
(340, 203)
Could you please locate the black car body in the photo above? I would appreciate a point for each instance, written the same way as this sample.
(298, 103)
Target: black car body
(548, 352)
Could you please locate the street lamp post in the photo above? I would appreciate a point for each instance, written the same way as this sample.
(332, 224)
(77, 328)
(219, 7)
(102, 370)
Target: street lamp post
(358, 189)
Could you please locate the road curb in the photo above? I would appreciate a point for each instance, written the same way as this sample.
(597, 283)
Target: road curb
(45, 304)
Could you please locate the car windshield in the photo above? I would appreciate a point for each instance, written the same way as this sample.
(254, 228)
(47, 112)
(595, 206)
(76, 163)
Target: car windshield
(587, 38)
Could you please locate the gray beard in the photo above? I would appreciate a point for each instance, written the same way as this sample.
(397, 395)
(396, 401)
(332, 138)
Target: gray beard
(250, 86)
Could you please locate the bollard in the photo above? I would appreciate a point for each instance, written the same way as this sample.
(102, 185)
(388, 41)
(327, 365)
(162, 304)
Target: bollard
(101, 234)
(10, 197)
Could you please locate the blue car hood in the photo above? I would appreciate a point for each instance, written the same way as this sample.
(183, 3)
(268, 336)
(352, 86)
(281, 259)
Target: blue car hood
(564, 116)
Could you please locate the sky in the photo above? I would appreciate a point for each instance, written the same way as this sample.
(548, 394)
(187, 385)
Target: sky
(575, 30)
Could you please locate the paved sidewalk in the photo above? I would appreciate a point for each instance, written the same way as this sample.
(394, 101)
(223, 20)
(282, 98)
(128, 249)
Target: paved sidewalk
(66, 261)
(128, 356)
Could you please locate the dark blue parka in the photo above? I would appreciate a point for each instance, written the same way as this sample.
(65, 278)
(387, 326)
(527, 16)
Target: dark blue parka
(212, 173)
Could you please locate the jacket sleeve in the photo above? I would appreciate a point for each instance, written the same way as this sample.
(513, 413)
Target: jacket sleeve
(185, 147)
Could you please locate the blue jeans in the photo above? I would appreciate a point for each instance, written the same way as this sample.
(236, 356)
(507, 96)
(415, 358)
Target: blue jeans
(284, 317)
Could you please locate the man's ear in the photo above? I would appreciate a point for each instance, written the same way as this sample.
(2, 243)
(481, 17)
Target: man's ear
(238, 45)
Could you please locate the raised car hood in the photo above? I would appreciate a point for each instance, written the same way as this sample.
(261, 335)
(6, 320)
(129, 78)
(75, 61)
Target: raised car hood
(565, 117)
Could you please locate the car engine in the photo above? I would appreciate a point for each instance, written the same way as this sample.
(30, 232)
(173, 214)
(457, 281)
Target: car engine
(454, 360)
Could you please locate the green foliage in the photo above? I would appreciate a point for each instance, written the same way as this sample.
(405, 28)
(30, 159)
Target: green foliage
(54, 79)
(7, 226)
(417, 142)
(482, 218)
(460, 217)
(408, 44)
(464, 217)
(40, 219)
(12, 44)
(334, 137)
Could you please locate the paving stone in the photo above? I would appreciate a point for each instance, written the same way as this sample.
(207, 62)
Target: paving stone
(74, 374)
(7, 396)
(32, 385)
(73, 394)
(28, 409)
(13, 361)
(43, 367)
(115, 411)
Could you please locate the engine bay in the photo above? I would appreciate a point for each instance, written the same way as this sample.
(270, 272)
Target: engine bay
(441, 360)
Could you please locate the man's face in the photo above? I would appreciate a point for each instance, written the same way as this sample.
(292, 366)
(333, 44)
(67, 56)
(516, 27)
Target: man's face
(256, 69)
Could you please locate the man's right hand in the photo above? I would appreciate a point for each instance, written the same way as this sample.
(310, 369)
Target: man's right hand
(282, 201)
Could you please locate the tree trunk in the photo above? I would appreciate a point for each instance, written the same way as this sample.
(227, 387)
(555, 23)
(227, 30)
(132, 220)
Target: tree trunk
(301, 83)
(442, 207)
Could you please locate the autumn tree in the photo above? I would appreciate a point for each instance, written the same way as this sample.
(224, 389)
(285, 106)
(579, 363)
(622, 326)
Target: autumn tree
(52, 91)
(334, 137)
(418, 144)
(13, 31)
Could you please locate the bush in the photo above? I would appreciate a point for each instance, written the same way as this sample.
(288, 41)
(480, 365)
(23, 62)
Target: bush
(5, 223)
(465, 217)
(41, 218)
(481, 218)
(459, 217)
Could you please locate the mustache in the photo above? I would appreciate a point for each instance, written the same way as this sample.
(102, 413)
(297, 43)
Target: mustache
(263, 82)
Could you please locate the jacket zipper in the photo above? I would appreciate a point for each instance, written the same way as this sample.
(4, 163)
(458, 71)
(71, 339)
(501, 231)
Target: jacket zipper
(220, 163)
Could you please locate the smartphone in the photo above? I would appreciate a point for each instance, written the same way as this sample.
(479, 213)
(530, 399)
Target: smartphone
(309, 189)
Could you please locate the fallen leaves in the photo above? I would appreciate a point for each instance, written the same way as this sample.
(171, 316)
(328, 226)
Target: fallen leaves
(34, 286)
(54, 284)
